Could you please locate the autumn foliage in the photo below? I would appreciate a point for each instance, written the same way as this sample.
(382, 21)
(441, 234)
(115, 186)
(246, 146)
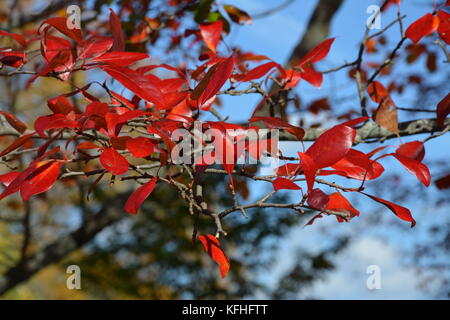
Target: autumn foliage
(99, 132)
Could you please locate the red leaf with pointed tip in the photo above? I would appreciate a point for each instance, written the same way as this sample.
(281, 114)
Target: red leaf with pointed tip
(332, 146)
(9, 177)
(401, 212)
(377, 91)
(117, 32)
(444, 26)
(422, 27)
(318, 53)
(15, 185)
(140, 147)
(212, 247)
(312, 76)
(443, 109)
(261, 71)
(114, 162)
(60, 24)
(414, 150)
(136, 199)
(337, 202)
(136, 83)
(94, 47)
(40, 180)
(16, 144)
(218, 78)
(211, 33)
(14, 122)
(284, 184)
(309, 169)
(415, 167)
(120, 58)
(357, 165)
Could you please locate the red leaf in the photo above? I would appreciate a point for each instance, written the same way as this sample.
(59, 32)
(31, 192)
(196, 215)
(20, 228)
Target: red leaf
(60, 104)
(443, 183)
(332, 146)
(312, 76)
(292, 78)
(386, 115)
(15, 185)
(284, 184)
(318, 53)
(55, 121)
(120, 58)
(288, 169)
(40, 180)
(96, 108)
(60, 24)
(443, 109)
(13, 59)
(277, 123)
(16, 144)
(212, 247)
(357, 165)
(113, 120)
(309, 169)
(217, 79)
(14, 122)
(211, 33)
(94, 47)
(416, 168)
(422, 27)
(444, 26)
(9, 177)
(140, 147)
(136, 82)
(377, 91)
(114, 162)
(337, 202)
(117, 32)
(414, 150)
(136, 199)
(261, 71)
(318, 200)
(401, 212)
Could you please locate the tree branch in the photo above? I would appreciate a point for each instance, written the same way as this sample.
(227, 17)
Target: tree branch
(372, 131)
